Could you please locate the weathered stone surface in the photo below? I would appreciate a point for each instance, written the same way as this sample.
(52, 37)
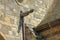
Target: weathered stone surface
(53, 14)
(9, 15)
(51, 34)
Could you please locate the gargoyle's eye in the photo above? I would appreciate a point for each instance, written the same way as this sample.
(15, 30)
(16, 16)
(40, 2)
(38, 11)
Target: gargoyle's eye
(20, 1)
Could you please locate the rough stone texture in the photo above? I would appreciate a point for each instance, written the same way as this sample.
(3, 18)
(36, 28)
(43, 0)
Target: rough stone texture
(51, 34)
(9, 20)
(41, 8)
(9, 15)
(54, 14)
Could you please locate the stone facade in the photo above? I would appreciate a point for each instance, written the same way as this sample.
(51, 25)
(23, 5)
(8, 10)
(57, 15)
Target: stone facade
(9, 15)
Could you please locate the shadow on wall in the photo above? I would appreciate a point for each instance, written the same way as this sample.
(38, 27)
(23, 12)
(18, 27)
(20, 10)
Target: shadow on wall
(1, 37)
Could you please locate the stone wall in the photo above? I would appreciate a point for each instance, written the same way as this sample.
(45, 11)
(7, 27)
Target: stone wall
(9, 20)
(9, 16)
